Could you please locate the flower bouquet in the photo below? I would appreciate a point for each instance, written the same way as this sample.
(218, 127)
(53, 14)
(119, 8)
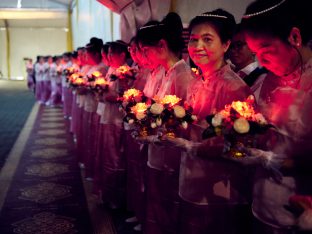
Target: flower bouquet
(97, 83)
(67, 72)
(137, 115)
(77, 80)
(123, 73)
(169, 114)
(239, 123)
(130, 98)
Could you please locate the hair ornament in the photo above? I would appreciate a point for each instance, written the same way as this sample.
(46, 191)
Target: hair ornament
(151, 26)
(264, 11)
(212, 15)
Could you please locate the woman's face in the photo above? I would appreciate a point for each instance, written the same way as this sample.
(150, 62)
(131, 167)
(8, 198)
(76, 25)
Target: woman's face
(152, 54)
(133, 52)
(92, 58)
(115, 59)
(274, 54)
(82, 56)
(205, 46)
(105, 58)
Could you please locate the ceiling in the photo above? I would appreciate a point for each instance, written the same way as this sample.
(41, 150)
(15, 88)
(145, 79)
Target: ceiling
(34, 13)
(36, 4)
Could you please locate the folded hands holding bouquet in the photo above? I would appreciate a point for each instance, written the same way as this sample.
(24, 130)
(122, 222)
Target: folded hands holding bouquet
(158, 117)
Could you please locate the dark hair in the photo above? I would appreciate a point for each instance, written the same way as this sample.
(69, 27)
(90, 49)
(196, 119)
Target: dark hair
(74, 54)
(169, 29)
(119, 47)
(95, 45)
(223, 22)
(105, 47)
(133, 40)
(276, 18)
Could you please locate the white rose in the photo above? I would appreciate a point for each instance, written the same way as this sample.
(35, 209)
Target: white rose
(217, 120)
(251, 98)
(305, 220)
(260, 118)
(241, 125)
(140, 115)
(184, 125)
(153, 125)
(158, 122)
(194, 117)
(156, 108)
(179, 111)
(131, 121)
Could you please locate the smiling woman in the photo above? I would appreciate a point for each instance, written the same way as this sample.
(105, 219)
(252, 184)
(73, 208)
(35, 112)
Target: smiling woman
(210, 200)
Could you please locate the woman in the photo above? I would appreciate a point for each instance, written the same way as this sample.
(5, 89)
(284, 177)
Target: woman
(134, 152)
(90, 118)
(162, 44)
(278, 32)
(55, 77)
(213, 191)
(111, 160)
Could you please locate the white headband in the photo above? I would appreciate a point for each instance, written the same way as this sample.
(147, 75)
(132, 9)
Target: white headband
(213, 15)
(264, 11)
(151, 26)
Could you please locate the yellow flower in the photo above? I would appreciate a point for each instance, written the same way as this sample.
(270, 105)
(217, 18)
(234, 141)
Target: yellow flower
(157, 108)
(241, 125)
(170, 99)
(179, 111)
(140, 115)
(131, 92)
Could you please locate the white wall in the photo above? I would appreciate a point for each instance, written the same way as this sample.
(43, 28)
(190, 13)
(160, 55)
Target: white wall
(3, 66)
(92, 19)
(30, 42)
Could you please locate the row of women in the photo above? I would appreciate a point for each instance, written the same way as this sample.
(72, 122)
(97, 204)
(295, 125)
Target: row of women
(184, 184)
(46, 78)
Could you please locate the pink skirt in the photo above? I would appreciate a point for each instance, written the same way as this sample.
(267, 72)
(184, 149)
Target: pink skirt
(99, 155)
(56, 94)
(162, 201)
(221, 219)
(74, 115)
(39, 90)
(136, 167)
(80, 137)
(68, 99)
(46, 91)
(113, 166)
(90, 120)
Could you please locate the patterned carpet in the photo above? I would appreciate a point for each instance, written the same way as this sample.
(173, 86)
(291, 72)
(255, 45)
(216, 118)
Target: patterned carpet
(46, 193)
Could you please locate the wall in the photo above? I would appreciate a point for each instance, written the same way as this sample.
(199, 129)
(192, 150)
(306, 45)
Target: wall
(92, 19)
(30, 42)
(3, 67)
